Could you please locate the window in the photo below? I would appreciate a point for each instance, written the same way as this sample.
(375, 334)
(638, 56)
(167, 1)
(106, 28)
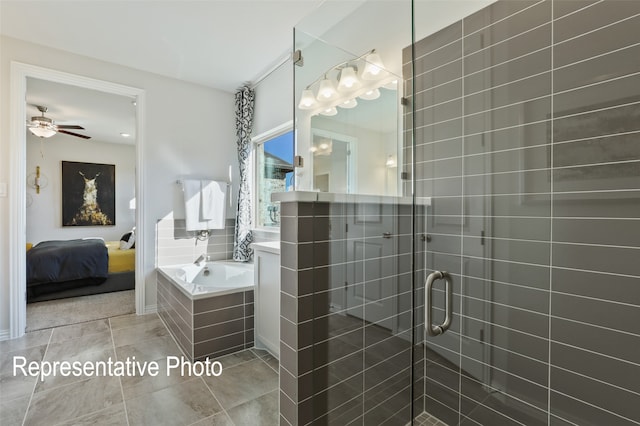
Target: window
(274, 173)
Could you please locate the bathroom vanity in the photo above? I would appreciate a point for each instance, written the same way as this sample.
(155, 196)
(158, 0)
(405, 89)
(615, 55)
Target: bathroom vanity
(267, 296)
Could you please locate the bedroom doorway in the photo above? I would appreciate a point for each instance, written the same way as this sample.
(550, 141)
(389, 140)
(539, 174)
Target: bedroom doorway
(38, 186)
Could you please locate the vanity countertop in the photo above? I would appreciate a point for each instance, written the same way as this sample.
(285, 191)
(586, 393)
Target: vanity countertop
(271, 246)
(327, 197)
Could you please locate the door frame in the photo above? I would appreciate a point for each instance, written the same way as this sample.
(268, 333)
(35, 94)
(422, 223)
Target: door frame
(17, 199)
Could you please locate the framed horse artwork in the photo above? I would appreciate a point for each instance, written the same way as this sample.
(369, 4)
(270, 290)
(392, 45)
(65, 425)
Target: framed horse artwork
(88, 194)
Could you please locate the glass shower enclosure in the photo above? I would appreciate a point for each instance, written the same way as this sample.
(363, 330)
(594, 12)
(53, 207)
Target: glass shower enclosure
(461, 246)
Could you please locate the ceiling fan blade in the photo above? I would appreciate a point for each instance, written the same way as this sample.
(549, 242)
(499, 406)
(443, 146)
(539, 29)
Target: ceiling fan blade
(69, 126)
(74, 134)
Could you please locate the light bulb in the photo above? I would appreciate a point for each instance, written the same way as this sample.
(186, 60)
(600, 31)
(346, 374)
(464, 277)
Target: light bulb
(370, 95)
(307, 100)
(327, 90)
(392, 85)
(391, 162)
(348, 80)
(324, 146)
(42, 131)
(329, 111)
(373, 68)
(348, 104)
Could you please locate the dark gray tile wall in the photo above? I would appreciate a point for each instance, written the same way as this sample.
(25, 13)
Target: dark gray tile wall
(176, 310)
(346, 306)
(527, 140)
(209, 327)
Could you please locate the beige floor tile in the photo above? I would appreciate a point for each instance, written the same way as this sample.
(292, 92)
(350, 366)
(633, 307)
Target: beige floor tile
(181, 404)
(149, 350)
(272, 362)
(111, 416)
(230, 360)
(16, 386)
(262, 411)
(73, 348)
(79, 330)
(60, 380)
(242, 383)
(220, 419)
(77, 399)
(12, 412)
(29, 340)
(136, 386)
(138, 332)
(8, 359)
(123, 321)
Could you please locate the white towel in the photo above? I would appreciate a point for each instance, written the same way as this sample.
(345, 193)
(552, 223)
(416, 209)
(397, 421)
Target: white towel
(204, 204)
(214, 203)
(191, 190)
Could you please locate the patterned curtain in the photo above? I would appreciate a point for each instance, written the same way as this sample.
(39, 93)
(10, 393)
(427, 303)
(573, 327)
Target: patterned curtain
(244, 121)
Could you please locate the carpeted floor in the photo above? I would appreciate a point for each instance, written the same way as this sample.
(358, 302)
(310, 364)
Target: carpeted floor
(54, 313)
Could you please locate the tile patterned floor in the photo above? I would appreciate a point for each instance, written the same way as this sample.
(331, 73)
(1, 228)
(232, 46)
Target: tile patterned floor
(425, 419)
(245, 394)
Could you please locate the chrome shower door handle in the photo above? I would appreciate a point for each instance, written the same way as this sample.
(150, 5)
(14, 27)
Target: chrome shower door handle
(436, 330)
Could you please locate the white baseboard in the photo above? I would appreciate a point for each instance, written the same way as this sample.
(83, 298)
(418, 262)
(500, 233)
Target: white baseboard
(4, 334)
(151, 309)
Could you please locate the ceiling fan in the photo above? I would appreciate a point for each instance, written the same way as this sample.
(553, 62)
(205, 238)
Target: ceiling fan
(44, 127)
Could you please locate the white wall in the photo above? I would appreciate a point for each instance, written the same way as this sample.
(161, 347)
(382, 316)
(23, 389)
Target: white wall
(273, 108)
(44, 213)
(189, 130)
(274, 100)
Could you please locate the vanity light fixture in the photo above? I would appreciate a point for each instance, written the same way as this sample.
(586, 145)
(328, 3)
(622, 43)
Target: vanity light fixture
(341, 84)
(370, 95)
(125, 135)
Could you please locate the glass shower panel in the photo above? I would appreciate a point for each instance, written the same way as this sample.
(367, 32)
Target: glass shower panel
(526, 128)
(351, 86)
(482, 159)
(360, 228)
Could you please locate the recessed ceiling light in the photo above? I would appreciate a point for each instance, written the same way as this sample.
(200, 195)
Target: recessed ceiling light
(125, 135)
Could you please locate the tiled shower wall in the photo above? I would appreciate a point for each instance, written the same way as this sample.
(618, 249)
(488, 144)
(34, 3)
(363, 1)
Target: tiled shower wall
(527, 133)
(346, 305)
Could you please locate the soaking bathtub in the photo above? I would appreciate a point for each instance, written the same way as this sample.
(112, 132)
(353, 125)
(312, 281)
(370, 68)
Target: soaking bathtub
(208, 308)
(210, 278)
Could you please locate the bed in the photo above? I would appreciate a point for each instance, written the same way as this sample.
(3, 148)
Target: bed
(61, 269)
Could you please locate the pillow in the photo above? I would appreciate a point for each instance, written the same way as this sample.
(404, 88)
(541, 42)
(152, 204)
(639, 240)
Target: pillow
(128, 240)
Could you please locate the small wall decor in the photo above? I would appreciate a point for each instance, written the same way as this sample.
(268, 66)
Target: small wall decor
(88, 194)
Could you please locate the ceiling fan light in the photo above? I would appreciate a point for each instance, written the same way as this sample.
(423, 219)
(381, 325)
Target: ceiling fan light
(327, 90)
(42, 131)
(370, 95)
(307, 100)
(373, 68)
(348, 80)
